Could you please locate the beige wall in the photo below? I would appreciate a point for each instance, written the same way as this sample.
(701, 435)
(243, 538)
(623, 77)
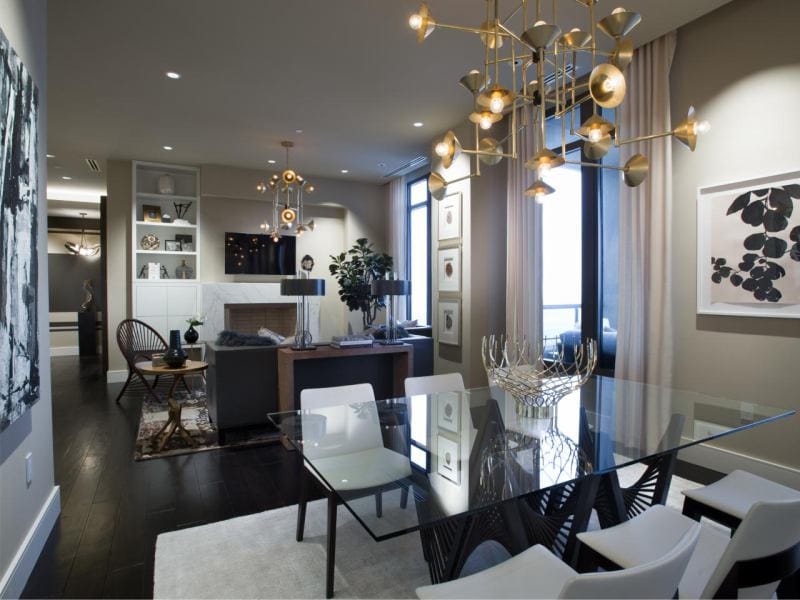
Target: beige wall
(118, 247)
(748, 91)
(24, 24)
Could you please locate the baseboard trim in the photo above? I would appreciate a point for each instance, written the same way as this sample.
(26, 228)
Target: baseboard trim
(64, 351)
(725, 461)
(16, 576)
(120, 376)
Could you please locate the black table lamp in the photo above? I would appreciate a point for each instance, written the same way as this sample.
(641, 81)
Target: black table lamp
(302, 288)
(391, 288)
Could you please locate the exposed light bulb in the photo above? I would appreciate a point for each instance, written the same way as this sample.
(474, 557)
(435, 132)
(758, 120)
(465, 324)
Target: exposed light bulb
(415, 21)
(544, 166)
(595, 134)
(485, 121)
(539, 23)
(702, 127)
(609, 84)
(442, 149)
(496, 104)
(618, 10)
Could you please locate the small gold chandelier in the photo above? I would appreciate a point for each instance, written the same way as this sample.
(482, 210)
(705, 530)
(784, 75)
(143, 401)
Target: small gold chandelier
(287, 203)
(548, 55)
(83, 248)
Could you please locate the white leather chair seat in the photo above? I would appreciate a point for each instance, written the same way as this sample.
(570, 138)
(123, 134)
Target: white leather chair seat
(534, 573)
(361, 470)
(710, 546)
(735, 493)
(640, 540)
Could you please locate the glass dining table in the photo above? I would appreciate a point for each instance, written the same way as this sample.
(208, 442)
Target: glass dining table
(467, 467)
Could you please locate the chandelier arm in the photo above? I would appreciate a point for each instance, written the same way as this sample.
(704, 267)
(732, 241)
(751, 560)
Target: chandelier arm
(595, 165)
(477, 30)
(643, 138)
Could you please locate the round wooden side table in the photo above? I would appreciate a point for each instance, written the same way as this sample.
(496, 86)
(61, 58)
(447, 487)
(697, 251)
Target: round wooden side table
(173, 424)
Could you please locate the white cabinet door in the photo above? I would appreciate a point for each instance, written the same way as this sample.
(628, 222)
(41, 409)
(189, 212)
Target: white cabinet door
(159, 324)
(182, 300)
(178, 322)
(151, 301)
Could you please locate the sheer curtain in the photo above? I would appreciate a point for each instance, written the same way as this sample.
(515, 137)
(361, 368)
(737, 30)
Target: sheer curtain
(524, 247)
(396, 233)
(644, 342)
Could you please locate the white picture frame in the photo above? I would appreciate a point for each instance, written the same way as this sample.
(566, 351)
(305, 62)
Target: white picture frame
(449, 322)
(448, 411)
(450, 217)
(449, 269)
(447, 459)
(755, 280)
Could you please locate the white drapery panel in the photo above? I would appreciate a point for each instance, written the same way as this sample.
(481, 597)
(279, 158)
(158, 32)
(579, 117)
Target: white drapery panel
(523, 247)
(397, 231)
(644, 342)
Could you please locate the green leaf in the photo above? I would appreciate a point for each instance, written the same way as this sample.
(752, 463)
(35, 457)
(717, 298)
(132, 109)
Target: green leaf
(755, 241)
(793, 190)
(775, 247)
(754, 214)
(739, 203)
(775, 221)
(781, 202)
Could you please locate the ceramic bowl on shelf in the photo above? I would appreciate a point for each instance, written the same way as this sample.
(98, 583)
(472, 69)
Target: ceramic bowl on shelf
(149, 242)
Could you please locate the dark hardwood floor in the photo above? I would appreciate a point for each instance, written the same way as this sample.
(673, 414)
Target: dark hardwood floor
(113, 507)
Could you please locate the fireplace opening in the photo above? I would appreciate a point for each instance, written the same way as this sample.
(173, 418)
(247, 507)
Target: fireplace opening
(249, 318)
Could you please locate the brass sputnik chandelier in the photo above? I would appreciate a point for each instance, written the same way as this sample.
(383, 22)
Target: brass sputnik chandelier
(287, 203)
(548, 55)
(83, 248)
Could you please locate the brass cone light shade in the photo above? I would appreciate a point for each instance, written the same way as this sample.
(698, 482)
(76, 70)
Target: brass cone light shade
(423, 23)
(437, 185)
(474, 81)
(490, 145)
(538, 189)
(607, 85)
(497, 91)
(595, 122)
(619, 23)
(448, 149)
(597, 150)
(485, 116)
(544, 159)
(686, 131)
(490, 39)
(636, 170)
(576, 38)
(541, 36)
(622, 55)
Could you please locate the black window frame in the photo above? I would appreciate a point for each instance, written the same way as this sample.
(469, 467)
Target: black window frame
(409, 209)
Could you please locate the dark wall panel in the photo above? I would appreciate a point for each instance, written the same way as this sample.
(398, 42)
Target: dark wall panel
(67, 272)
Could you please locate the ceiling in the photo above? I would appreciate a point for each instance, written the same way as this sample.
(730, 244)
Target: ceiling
(348, 73)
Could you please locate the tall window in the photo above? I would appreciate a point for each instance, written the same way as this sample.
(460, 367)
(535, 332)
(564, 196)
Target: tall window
(419, 250)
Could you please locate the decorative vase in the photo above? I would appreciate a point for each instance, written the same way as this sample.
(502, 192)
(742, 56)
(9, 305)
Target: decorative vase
(191, 335)
(175, 357)
(166, 184)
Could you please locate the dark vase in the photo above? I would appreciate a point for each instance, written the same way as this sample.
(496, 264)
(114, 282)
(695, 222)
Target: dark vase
(175, 357)
(191, 335)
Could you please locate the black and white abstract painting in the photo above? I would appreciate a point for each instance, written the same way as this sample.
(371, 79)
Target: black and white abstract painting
(19, 168)
(749, 248)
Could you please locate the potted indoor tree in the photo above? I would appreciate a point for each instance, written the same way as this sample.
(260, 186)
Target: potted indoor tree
(355, 270)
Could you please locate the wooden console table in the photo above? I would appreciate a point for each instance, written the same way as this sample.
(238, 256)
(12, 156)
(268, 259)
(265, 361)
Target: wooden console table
(335, 366)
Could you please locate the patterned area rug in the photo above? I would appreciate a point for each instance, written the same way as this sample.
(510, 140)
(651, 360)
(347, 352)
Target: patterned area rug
(195, 419)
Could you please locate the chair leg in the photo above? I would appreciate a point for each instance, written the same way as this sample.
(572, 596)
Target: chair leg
(149, 387)
(403, 497)
(155, 381)
(125, 387)
(332, 504)
(186, 385)
(301, 505)
(379, 504)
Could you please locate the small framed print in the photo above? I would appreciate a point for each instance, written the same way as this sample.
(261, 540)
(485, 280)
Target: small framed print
(450, 217)
(449, 411)
(186, 240)
(450, 270)
(151, 213)
(172, 246)
(449, 322)
(447, 459)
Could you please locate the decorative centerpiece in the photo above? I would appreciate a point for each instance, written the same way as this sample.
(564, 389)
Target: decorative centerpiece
(175, 357)
(355, 270)
(537, 380)
(191, 335)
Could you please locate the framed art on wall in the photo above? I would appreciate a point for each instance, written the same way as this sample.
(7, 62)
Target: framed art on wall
(447, 463)
(449, 411)
(450, 270)
(748, 248)
(449, 319)
(450, 217)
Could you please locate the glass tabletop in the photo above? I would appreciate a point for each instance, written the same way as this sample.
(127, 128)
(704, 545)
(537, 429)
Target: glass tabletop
(459, 452)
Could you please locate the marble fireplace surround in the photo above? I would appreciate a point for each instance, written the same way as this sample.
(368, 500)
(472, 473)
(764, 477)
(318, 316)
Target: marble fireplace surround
(216, 296)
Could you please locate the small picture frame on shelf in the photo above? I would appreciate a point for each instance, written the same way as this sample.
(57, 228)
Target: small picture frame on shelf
(151, 213)
(172, 246)
(186, 240)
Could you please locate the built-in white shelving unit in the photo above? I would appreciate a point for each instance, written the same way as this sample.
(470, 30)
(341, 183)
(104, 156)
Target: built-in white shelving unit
(167, 302)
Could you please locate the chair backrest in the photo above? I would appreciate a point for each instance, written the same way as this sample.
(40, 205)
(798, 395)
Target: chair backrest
(351, 419)
(768, 528)
(137, 340)
(656, 579)
(434, 384)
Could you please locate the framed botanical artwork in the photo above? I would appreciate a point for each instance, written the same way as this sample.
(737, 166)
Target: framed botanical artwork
(447, 459)
(748, 247)
(449, 411)
(449, 322)
(151, 213)
(450, 270)
(450, 217)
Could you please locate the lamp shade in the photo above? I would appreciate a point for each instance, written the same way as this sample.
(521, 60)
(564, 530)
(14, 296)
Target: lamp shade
(391, 287)
(302, 287)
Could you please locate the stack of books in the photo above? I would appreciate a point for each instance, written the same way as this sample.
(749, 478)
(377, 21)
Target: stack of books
(351, 341)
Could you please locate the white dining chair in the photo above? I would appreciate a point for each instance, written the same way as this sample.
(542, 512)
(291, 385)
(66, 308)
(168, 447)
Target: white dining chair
(538, 573)
(764, 550)
(434, 384)
(348, 455)
(728, 500)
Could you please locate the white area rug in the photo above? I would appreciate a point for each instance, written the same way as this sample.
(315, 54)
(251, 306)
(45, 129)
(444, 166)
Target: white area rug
(256, 556)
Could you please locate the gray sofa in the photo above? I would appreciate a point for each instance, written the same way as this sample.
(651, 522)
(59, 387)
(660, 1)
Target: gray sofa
(242, 381)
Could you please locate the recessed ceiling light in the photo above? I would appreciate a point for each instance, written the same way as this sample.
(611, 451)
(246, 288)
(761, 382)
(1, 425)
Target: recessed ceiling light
(270, 161)
(167, 147)
(298, 131)
(51, 156)
(345, 171)
(419, 124)
(173, 75)
(65, 178)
